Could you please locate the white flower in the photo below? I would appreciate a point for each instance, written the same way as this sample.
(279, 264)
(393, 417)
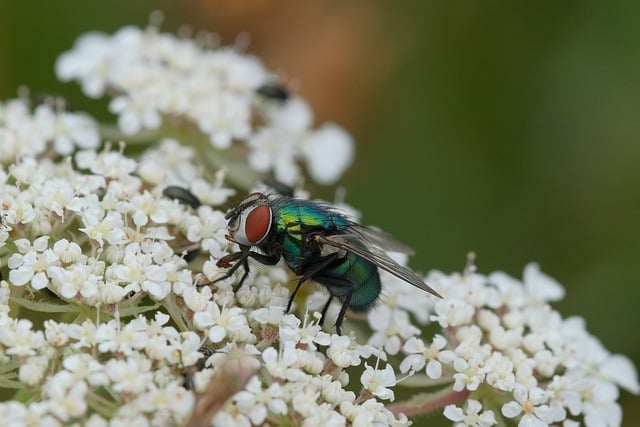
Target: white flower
(499, 369)
(328, 152)
(531, 404)
(282, 364)
(111, 338)
(66, 251)
(377, 381)
(391, 326)
(130, 376)
(222, 323)
(86, 368)
(86, 62)
(599, 404)
(540, 286)
(308, 334)
(370, 412)
(452, 312)
(469, 373)
(620, 370)
(256, 402)
(32, 264)
(32, 371)
(171, 401)
(135, 113)
(19, 338)
(67, 397)
(342, 351)
(188, 345)
(472, 416)
(74, 279)
(140, 269)
(421, 355)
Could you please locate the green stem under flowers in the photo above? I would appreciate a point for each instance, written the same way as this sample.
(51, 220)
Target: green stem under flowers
(174, 312)
(101, 405)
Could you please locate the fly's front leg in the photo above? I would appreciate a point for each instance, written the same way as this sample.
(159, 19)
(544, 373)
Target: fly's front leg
(242, 259)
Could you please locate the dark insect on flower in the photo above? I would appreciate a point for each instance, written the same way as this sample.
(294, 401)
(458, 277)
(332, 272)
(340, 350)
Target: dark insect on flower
(182, 195)
(317, 242)
(273, 91)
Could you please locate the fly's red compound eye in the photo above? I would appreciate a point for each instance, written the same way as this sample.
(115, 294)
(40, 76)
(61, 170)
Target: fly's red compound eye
(257, 224)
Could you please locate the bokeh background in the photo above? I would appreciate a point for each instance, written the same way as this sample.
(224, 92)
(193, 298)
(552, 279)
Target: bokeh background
(509, 129)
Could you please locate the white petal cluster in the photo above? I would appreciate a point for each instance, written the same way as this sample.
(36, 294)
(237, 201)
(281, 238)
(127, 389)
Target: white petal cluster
(31, 131)
(95, 245)
(153, 77)
(499, 335)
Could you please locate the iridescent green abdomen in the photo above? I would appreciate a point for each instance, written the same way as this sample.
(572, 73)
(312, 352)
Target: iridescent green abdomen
(362, 275)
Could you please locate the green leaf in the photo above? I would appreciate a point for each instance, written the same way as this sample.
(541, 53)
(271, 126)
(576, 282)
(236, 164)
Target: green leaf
(45, 307)
(134, 310)
(11, 384)
(8, 366)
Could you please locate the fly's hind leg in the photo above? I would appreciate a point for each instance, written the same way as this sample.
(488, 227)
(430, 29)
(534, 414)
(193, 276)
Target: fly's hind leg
(324, 310)
(338, 287)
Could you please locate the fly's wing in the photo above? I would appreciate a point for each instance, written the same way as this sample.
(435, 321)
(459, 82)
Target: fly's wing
(353, 241)
(380, 239)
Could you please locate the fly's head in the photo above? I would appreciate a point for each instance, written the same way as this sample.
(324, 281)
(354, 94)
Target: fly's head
(249, 223)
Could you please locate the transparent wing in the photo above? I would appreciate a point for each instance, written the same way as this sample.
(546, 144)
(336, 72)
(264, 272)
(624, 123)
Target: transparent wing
(356, 240)
(380, 239)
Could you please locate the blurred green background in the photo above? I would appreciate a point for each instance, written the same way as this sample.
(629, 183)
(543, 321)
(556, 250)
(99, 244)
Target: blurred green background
(509, 129)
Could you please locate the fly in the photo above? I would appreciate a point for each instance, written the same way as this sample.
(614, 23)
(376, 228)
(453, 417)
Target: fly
(317, 242)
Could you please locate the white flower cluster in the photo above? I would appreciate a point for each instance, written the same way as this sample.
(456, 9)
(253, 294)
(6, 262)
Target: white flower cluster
(154, 76)
(94, 245)
(501, 343)
(24, 132)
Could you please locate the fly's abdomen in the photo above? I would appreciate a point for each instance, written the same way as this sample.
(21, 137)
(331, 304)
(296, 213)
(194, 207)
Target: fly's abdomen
(357, 273)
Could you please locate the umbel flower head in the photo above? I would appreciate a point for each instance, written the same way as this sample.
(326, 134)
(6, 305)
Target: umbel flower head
(104, 319)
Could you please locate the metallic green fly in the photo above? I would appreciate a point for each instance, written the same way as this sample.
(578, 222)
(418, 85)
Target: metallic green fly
(317, 242)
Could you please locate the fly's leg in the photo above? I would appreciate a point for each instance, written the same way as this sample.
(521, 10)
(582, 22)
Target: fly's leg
(324, 310)
(343, 310)
(338, 287)
(242, 259)
(323, 262)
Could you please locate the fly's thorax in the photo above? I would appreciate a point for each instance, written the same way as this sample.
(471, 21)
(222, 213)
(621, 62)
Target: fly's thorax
(250, 222)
